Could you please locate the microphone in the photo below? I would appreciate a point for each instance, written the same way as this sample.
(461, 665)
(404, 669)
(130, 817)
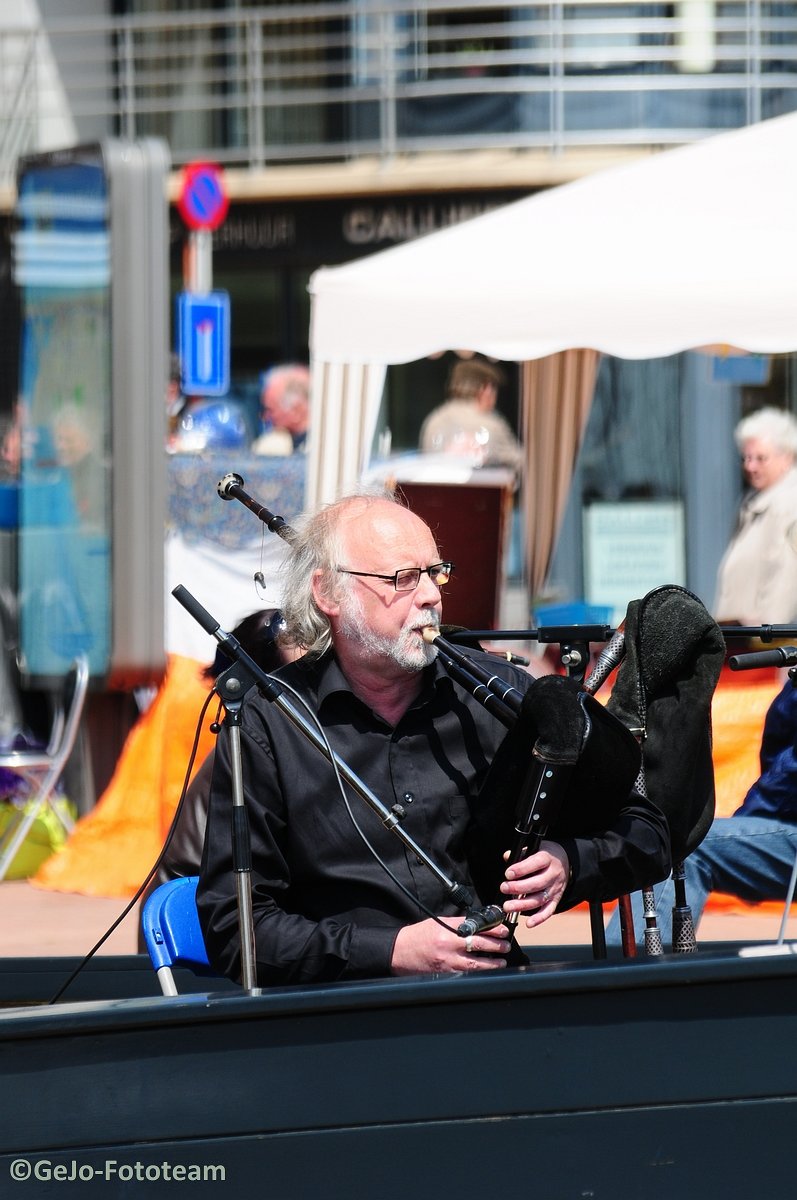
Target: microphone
(230, 487)
(230, 480)
(781, 656)
(481, 919)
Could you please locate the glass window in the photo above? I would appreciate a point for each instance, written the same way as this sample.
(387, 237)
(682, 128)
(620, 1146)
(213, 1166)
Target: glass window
(62, 264)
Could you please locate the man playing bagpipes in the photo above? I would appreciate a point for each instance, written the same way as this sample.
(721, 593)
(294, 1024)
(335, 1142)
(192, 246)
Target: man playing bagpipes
(335, 894)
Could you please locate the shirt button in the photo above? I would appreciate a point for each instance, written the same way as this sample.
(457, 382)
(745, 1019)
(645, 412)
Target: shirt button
(408, 797)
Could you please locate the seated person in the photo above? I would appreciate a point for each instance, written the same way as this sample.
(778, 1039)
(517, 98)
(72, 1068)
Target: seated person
(363, 582)
(750, 854)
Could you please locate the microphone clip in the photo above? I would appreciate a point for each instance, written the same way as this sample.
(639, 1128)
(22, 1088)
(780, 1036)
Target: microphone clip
(478, 920)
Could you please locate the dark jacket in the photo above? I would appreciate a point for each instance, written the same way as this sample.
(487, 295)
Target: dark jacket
(774, 793)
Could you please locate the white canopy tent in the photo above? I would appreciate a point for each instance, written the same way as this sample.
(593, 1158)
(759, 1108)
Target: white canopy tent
(690, 247)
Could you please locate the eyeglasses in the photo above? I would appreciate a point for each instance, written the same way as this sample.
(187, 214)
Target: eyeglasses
(408, 578)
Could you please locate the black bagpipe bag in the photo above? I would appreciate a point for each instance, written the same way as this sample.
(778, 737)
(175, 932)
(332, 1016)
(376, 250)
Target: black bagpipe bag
(674, 652)
(596, 761)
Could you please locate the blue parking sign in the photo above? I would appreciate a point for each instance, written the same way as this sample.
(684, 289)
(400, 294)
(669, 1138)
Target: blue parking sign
(203, 324)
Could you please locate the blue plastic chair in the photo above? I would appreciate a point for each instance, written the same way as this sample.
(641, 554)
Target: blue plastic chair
(172, 932)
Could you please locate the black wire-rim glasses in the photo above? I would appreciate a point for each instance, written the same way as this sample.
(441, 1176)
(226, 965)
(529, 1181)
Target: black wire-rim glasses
(406, 579)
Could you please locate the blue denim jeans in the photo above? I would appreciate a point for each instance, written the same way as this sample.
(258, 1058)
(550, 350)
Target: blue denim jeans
(748, 857)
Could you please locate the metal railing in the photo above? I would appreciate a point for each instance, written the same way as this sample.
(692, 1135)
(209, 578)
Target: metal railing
(310, 82)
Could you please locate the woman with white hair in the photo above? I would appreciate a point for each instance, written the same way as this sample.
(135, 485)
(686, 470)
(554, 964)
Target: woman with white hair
(757, 578)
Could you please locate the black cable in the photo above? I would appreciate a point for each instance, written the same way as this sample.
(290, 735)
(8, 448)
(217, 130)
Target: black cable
(143, 887)
(360, 832)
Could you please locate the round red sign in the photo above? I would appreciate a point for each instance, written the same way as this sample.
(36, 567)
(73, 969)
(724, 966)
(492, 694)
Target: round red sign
(203, 201)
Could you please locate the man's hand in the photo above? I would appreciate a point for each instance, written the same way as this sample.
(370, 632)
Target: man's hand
(429, 946)
(536, 884)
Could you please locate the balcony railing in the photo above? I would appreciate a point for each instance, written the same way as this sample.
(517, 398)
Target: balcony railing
(309, 82)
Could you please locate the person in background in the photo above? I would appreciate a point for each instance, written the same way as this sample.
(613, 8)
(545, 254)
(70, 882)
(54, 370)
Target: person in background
(77, 451)
(176, 401)
(285, 411)
(467, 424)
(751, 854)
(335, 893)
(11, 444)
(757, 577)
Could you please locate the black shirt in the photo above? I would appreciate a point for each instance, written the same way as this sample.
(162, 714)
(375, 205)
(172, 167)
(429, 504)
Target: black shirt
(324, 908)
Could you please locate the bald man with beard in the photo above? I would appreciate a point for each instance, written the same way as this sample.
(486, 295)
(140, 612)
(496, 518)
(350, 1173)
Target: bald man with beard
(364, 580)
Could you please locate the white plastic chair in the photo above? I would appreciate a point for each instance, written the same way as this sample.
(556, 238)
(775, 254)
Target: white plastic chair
(42, 769)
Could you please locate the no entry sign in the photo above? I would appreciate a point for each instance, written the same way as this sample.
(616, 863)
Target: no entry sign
(203, 201)
(203, 324)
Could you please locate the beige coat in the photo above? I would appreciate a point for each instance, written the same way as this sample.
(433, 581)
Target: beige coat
(757, 578)
(460, 427)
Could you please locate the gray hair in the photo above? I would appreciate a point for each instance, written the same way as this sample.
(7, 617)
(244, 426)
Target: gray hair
(317, 546)
(774, 425)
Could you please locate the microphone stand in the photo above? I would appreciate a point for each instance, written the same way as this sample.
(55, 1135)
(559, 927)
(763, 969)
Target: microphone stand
(231, 686)
(574, 643)
(781, 656)
(235, 683)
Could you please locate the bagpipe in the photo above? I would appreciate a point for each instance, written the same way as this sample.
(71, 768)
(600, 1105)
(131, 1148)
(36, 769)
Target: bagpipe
(568, 763)
(562, 766)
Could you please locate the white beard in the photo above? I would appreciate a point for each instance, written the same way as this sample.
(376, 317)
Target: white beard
(408, 650)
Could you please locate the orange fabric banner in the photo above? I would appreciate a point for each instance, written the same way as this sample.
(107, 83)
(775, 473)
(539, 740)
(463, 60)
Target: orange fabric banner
(112, 849)
(737, 717)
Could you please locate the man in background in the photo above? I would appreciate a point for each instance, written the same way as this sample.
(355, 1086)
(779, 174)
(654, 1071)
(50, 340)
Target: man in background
(285, 409)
